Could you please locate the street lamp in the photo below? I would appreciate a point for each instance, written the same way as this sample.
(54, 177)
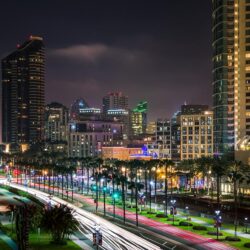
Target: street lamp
(246, 219)
(173, 209)
(97, 236)
(217, 221)
(187, 212)
(115, 196)
(104, 199)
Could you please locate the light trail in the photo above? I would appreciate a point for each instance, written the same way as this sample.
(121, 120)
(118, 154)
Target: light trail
(114, 237)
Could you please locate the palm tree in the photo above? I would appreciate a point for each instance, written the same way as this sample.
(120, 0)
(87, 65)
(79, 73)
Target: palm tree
(60, 221)
(189, 167)
(219, 169)
(121, 178)
(236, 175)
(166, 163)
(134, 166)
(204, 166)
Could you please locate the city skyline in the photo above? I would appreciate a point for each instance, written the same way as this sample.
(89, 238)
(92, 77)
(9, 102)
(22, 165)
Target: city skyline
(134, 54)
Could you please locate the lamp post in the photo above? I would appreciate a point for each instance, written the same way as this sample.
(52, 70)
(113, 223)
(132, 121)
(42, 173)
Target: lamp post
(104, 200)
(187, 212)
(115, 195)
(155, 186)
(97, 236)
(217, 221)
(246, 219)
(173, 208)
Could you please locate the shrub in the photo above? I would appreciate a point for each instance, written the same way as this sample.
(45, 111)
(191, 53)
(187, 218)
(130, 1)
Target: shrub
(214, 233)
(200, 228)
(160, 216)
(247, 245)
(185, 223)
(171, 219)
(148, 212)
(232, 238)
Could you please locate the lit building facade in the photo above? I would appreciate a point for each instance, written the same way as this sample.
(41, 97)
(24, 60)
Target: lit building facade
(196, 135)
(120, 153)
(138, 119)
(151, 128)
(56, 122)
(176, 137)
(163, 138)
(120, 115)
(86, 138)
(23, 97)
(231, 74)
(114, 101)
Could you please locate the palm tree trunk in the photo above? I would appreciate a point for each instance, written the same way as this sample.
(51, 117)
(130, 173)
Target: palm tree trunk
(49, 181)
(96, 193)
(218, 191)
(82, 178)
(62, 185)
(235, 208)
(44, 182)
(123, 201)
(53, 182)
(136, 197)
(146, 183)
(72, 185)
(150, 190)
(87, 181)
(166, 190)
(39, 181)
(155, 189)
(17, 175)
(67, 185)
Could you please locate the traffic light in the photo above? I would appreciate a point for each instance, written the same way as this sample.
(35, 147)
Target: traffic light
(104, 189)
(94, 238)
(115, 195)
(100, 239)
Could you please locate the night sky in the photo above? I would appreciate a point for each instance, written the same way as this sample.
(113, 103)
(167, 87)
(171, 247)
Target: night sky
(158, 50)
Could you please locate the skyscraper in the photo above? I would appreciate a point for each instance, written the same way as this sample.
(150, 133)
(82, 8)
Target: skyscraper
(231, 74)
(114, 101)
(138, 119)
(56, 122)
(23, 93)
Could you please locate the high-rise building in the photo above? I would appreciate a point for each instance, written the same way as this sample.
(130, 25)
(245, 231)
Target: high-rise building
(56, 122)
(114, 101)
(151, 128)
(138, 119)
(23, 93)
(163, 138)
(120, 115)
(196, 137)
(175, 137)
(231, 74)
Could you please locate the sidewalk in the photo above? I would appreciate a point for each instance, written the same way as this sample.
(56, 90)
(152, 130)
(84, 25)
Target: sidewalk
(8, 241)
(203, 223)
(80, 242)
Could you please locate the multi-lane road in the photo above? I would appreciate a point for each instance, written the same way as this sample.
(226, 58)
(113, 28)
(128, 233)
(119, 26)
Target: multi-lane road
(117, 238)
(114, 237)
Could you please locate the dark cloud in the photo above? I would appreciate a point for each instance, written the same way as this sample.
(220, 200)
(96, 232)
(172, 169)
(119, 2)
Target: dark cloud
(154, 50)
